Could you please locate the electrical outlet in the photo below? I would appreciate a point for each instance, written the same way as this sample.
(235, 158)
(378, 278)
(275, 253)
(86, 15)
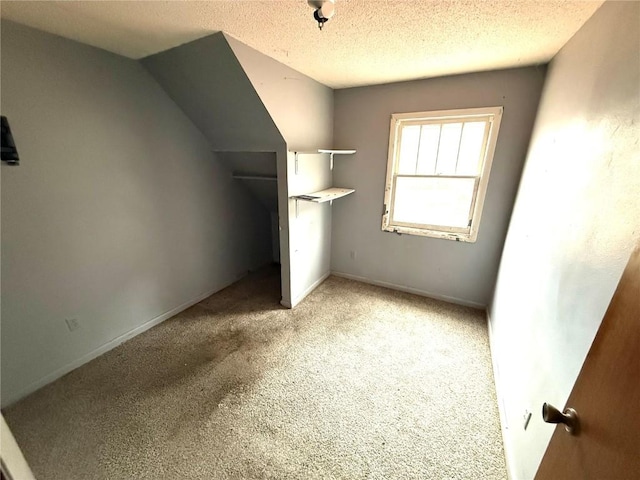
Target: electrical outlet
(72, 324)
(352, 254)
(526, 417)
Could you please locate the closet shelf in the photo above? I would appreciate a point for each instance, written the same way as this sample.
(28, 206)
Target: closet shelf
(324, 150)
(254, 177)
(327, 195)
(336, 152)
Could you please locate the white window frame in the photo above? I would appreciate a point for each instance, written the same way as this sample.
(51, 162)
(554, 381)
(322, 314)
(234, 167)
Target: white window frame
(398, 120)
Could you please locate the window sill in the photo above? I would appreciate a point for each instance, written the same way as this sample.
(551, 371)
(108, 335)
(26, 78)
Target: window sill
(424, 232)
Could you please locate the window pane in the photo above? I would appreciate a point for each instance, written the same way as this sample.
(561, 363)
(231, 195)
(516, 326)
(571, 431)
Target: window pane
(471, 148)
(448, 151)
(428, 153)
(433, 201)
(409, 150)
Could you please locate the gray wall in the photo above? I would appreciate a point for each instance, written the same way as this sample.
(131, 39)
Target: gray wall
(302, 109)
(574, 225)
(310, 224)
(261, 164)
(118, 215)
(457, 271)
(258, 164)
(206, 80)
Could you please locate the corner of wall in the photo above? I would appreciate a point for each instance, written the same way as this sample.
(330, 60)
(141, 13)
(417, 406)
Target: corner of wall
(504, 426)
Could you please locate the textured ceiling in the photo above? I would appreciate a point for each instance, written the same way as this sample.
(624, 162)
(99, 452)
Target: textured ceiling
(367, 42)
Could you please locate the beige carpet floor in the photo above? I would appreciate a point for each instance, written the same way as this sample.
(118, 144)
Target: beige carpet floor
(357, 382)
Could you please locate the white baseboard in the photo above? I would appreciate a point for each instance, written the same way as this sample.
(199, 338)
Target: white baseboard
(314, 285)
(8, 400)
(504, 425)
(415, 291)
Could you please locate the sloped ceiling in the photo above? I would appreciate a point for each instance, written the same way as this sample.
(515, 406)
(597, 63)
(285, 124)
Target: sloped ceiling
(300, 107)
(367, 42)
(206, 80)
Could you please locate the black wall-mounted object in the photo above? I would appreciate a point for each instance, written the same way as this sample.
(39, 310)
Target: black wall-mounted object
(9, 152)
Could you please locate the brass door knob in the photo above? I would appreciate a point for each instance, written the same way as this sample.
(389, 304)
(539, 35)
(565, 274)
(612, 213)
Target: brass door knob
(569, 417)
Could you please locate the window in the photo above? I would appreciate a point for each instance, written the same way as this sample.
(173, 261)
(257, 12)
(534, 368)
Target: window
(438, 171)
